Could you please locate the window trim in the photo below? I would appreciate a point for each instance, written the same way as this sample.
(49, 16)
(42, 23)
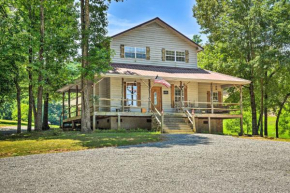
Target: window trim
(217, 94)
(179, 96)
(135, 52)
(175, 56)
(170, 55)
(132, 100)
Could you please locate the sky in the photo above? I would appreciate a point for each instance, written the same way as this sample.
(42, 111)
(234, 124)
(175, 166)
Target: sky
(177, 13)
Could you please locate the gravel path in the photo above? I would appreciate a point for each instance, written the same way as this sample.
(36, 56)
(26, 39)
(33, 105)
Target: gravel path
(183, 163)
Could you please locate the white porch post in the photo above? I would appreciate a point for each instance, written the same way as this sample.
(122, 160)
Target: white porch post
(63, 108)
(123, 93)
(181, 94)
(241, 108)
(211, 98)
(77, 100)
(94, 106)
(69, 115)
(209, 125)
(119, 121)
(149, 97)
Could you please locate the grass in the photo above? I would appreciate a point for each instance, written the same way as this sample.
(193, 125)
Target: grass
(14, 123)
(271, 129)
(57, 141)
(10, 122)
(263, 138)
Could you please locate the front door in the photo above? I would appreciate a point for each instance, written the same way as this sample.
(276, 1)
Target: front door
(156, 97)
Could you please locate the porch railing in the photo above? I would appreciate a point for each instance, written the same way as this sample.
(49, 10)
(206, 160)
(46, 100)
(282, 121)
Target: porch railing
(208, 107)
(116, 104)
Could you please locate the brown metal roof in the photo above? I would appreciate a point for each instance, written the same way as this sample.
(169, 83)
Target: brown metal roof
(163, 22)
(175, 73)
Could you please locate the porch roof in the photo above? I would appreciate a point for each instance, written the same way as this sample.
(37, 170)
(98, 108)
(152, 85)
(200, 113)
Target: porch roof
(172, 73)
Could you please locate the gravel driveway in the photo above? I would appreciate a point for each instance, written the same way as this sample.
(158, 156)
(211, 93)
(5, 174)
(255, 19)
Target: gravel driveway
(183, 163)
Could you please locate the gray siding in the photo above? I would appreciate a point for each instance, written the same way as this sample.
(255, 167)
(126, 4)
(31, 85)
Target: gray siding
(155, 37)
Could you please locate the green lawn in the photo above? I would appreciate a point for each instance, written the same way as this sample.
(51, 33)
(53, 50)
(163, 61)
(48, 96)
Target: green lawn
(10, 122)
(14, 123)
(284, 134)
(57, 141)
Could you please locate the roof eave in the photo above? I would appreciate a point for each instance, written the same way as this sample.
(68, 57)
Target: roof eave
(241, 82)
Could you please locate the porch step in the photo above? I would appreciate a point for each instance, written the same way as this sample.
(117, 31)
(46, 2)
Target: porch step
(178, 132)
(176, 125)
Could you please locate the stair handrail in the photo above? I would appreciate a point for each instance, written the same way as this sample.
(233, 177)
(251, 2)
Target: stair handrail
(155, 111)
(188, 115)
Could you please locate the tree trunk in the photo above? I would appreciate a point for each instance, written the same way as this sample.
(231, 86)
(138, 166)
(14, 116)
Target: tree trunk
(265, 115)
(30, 92)
(259, 121)
(18, 98)
(45, 125)
(38, 126)
(266, 105)
(30, 98)
(254, 111)
(262, 108)
(279, 113)
(85, 114)
(34, 111)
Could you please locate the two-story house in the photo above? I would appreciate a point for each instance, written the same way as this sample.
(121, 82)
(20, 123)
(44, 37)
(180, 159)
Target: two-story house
(130, 97)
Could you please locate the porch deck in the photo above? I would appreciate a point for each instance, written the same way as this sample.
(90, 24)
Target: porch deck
(185, 110)
(157, 109)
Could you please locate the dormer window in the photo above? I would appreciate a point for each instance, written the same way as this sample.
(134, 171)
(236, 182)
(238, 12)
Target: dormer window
(175, 56)
(135, 52)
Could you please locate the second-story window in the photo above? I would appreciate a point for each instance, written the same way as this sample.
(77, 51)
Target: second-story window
(180, 56)
(170, 55)
(134, 52)
(175, 56)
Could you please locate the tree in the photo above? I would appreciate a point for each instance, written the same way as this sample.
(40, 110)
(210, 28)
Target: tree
(249, 36)
(38, 126)
(12, 55)
(95, 52)
(196, 39)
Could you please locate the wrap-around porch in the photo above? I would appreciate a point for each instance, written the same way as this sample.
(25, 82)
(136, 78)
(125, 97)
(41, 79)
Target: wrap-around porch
(122, 97)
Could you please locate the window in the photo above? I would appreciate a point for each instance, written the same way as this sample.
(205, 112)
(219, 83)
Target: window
(141, 53)
(131, 94)
(180, 56)
(133, 52)
(215, 97)
(155, 98)
(170, 55)
(177, 94)
(129, 52)
(175, 56)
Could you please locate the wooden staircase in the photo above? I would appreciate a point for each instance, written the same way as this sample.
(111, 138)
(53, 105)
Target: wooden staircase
(176, 124)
